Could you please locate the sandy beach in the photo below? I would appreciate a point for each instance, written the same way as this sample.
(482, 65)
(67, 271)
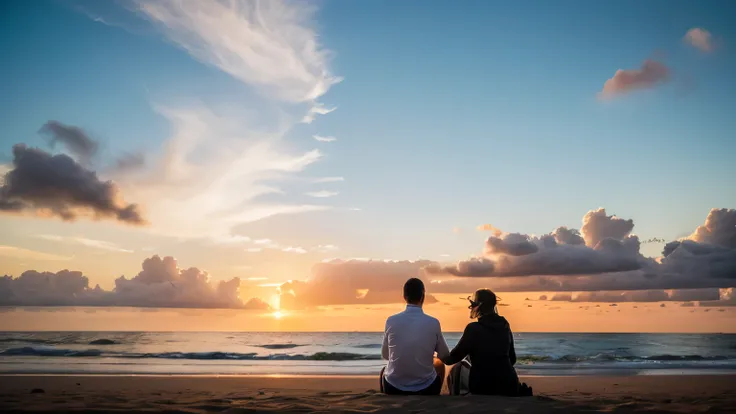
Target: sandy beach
(99, 394)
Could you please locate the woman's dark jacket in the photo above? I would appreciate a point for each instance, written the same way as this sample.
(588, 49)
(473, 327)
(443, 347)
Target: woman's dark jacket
(489, 344)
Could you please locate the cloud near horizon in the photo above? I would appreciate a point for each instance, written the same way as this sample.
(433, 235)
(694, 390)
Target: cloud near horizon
(160, 284)
(605, 245)
(353, 282)
(680, 295)
(651, 74)
(564, 260)
(49, 185)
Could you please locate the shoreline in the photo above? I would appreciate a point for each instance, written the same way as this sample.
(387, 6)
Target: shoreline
(619, 373)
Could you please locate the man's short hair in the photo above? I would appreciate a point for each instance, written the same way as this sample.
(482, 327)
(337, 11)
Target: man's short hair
(413, 290)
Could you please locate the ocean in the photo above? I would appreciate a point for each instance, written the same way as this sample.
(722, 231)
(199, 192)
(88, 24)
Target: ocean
(346, 353)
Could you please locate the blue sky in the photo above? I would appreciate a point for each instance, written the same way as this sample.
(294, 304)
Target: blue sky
(448, 116)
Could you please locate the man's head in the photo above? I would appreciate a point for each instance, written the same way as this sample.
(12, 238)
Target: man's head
(414, 292)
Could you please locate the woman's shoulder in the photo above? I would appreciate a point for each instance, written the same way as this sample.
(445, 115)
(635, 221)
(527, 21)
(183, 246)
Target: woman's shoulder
(472, 326)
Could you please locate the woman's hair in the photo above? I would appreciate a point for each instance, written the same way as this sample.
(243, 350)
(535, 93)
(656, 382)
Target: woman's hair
(486, 300)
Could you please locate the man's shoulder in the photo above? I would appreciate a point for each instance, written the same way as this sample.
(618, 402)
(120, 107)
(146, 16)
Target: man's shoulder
(432, 320)
(394, 317)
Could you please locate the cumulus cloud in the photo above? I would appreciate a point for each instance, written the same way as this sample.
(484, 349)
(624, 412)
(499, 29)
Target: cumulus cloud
(719, 229)
(73, 138)
(700, 39)
(727, 298)
(161, 283)
(566, 260)
(321, 138)
(56, 185)
(353, 282)
(513, 244)
(604, 246)
(651, 74)
(598, 226)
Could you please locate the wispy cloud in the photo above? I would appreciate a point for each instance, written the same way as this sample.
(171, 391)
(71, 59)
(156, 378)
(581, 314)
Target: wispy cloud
(92, 243)
(26, 254)
(254, 250)
(212, 174)
(292, 249)
(314, 110)
(221, 160)
(328, 180)
(321, 138)
(700, 39)
(326, 248)
(264, 242)
(322, 194)
(232, 239)
(268, 44)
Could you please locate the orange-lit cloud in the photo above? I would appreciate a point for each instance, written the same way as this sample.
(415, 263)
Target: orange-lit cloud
(683, 295)
(566, 260)
(161, 283)
(651, 74)
(606, 245)
(700, 39)
(488, 227)
(352, 282)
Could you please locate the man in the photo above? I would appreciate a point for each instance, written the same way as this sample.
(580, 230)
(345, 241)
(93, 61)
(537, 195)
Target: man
(409, 342)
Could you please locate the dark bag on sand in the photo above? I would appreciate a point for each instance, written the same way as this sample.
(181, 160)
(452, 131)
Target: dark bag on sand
(525, 390)
(458, 382)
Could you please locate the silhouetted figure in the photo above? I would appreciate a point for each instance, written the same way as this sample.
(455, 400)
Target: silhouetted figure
(489, 346)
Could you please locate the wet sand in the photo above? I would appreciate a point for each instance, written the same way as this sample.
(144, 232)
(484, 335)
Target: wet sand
(246, 394)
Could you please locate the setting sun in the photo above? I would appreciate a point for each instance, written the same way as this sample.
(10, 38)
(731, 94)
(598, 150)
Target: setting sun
(277, 315)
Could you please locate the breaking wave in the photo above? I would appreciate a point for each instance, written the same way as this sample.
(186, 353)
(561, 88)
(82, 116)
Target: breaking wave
(279, 346)
(531, 359)
(319, 356)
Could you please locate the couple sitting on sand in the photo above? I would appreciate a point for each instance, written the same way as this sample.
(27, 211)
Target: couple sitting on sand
(412, 338)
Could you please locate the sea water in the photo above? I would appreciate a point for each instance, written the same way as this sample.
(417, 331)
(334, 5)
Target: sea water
(346, 353)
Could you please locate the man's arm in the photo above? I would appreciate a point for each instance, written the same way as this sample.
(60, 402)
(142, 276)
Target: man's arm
(384, 347)
(441, 347)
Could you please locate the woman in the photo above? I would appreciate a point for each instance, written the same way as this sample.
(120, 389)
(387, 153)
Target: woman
(489, 345)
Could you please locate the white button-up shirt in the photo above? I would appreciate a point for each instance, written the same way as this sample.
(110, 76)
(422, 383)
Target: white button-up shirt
(409, 342)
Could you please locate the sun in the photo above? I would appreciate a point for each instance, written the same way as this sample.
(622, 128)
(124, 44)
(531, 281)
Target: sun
(277, 314)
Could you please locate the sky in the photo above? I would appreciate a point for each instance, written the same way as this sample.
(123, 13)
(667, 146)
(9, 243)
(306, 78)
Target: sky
(290, 164)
